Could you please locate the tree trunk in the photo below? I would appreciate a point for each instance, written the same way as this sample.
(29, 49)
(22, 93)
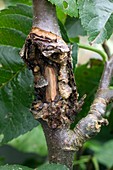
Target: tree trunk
(55, 104)
(56, 152)
(56, 99)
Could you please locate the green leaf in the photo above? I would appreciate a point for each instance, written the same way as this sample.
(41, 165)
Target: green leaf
(16, 81)
(16, 89)
(13, 21)
(74, 55)
(74, 27)
(93, 145)
(19, 9)
(105, 133)
(29, 143)
(105, 155)
(97, 19)
(53, 166)
(95, 163)
(68, 6)
(15, 24)
(11, 37)
(63, 32)
(83, 159)
(60, 15)
(14, 167)
(14, 2)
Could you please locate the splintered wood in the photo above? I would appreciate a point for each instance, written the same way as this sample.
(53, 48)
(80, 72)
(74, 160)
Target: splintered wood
(48, 56)
(51, 89)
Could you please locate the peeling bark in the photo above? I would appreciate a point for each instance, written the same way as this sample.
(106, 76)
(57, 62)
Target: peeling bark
(55, 104)
(56, 100)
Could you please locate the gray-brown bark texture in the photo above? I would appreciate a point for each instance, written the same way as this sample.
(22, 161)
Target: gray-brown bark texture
(56, 99)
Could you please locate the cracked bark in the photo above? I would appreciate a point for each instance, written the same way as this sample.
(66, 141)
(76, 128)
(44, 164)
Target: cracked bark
(56, 99)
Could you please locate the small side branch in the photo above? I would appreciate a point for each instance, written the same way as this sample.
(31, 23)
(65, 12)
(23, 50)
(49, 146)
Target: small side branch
(94, 49)
(89, 126)
(106, 49)
(56, 98)
(107, 74)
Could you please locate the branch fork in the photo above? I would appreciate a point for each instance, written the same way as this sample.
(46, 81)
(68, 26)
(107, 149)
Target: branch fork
(56, 98)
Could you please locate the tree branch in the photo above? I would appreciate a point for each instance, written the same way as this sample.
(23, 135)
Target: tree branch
(55, 104)
(106, 49)
(107, 74)
(55, 142)
(89, 126)
(44, 16)
(56, 98)
(94, 49)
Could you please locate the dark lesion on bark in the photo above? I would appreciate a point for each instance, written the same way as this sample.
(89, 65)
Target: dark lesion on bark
(56, 98)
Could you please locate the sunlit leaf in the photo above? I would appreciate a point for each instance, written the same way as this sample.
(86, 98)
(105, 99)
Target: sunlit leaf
(68, 6)
(97, 19)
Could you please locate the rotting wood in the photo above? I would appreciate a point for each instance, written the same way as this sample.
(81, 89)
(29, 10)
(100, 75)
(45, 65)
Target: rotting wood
(45, 51)
(48, 56)
(51, 89)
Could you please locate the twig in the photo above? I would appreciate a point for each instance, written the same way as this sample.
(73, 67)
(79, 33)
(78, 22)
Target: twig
(107, 74)
(90, 48)
(91, 125)
(47, 55)
(55, 104)
(106, 49)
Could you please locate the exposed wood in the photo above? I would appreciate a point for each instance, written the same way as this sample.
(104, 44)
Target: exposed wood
(51, 89)
(44, 34)
(48, 56)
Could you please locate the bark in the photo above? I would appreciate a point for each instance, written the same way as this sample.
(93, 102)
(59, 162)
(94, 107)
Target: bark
(56, 99)
(55, 104)
(44, 16)
(106, 49)
(55, 143)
